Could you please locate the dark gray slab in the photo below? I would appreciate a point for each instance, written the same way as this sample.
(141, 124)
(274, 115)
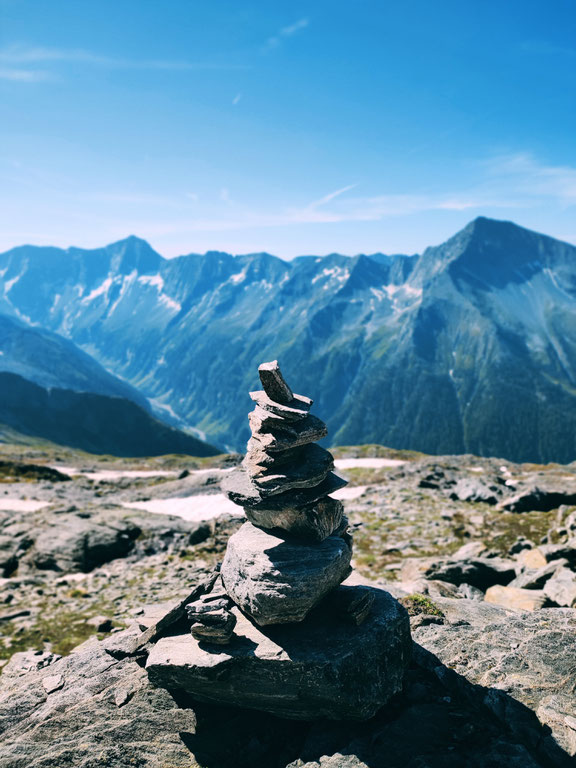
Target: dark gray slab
(324, 667)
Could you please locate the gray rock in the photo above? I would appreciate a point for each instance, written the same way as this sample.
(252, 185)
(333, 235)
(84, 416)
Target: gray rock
(479, 572)
(537, 499)
(312, 523)
(78, 544)
(217, 626)
(52, 683)
(561, 588)
(296, 409)
(474, 489)
(277, 581)
(239, 489)
(273, 382)
(321, 668)
(77, 725)
(23, 662)
(309, 470)
(510, 663)
(287, 435)
(536, 578)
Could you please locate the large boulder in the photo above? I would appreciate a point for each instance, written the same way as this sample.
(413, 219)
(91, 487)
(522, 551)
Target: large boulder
(519, 665)
(89, 709)
(80, 544)
(277, 580)
(323, 667)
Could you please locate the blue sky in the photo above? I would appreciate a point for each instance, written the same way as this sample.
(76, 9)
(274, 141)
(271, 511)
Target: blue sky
(291, 127)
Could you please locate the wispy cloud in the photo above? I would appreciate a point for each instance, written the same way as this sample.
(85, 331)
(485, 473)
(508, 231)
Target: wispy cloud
(22, 55)
(18, 75)
(331, 196)
(237, 99)
(526, 178)
(292, 29)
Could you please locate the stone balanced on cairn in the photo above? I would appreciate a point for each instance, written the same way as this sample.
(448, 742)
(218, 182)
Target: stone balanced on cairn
(278, 632)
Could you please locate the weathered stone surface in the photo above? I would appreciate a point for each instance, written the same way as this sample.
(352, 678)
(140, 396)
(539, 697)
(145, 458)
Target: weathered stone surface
(475, 489)
(310, 469)
(561, 588)
(277, 581)
(298, 408)
(516, 599)
(78, 725)
(273, 382)
(513, 663)
(286, 435)
(241, 490)
(480, 572)
(321, 668)
(536, 578)
(312, 523)
(78, 544)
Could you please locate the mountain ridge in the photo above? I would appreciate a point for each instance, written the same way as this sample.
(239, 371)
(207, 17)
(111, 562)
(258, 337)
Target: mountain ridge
(431, 352)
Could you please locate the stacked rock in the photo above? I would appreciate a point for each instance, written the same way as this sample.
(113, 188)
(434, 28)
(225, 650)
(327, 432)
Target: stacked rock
(296, 548)
(255, 640)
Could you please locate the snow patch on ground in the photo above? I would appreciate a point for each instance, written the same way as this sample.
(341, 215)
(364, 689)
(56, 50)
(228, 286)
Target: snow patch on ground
(101, 290)
(373, 463)
(239, 277)
(22, 505)
(195, 508)
(347, 494)
(111, 474)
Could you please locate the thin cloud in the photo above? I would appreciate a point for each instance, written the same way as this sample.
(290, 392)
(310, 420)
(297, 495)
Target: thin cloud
(24, 75)
(525, 177)
(237, 99)
(20, 54)
(292, 29)
(331, 196)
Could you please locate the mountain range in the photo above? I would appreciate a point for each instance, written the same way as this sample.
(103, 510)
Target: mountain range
(468, 347)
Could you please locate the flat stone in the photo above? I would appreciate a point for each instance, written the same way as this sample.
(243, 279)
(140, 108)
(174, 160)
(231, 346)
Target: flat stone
(297, 408)
(52, 683)
(321, 668)
(312, 523)
(285, 436)
(277, 581)
(516, 599)
(561, 588)
(273, 382)
(308, 471)
(214, 627)
(241, 490)
(257, 460)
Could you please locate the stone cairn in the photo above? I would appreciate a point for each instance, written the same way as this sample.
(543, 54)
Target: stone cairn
(283, 486)
(276, 630)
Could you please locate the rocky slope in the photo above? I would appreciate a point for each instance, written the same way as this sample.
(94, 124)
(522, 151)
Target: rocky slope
(51, 389)
(466, 543)
(469, 347)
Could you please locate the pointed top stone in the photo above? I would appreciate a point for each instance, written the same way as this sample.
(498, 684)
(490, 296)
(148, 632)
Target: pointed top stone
(273, 382)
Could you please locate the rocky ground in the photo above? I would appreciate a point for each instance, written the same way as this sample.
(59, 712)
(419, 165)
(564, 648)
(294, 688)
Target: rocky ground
(482, 552)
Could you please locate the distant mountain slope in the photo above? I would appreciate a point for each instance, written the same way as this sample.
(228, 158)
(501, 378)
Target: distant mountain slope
(469, 347)
(91, 422)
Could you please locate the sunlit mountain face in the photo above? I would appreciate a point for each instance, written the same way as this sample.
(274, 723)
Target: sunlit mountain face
(468, 347)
